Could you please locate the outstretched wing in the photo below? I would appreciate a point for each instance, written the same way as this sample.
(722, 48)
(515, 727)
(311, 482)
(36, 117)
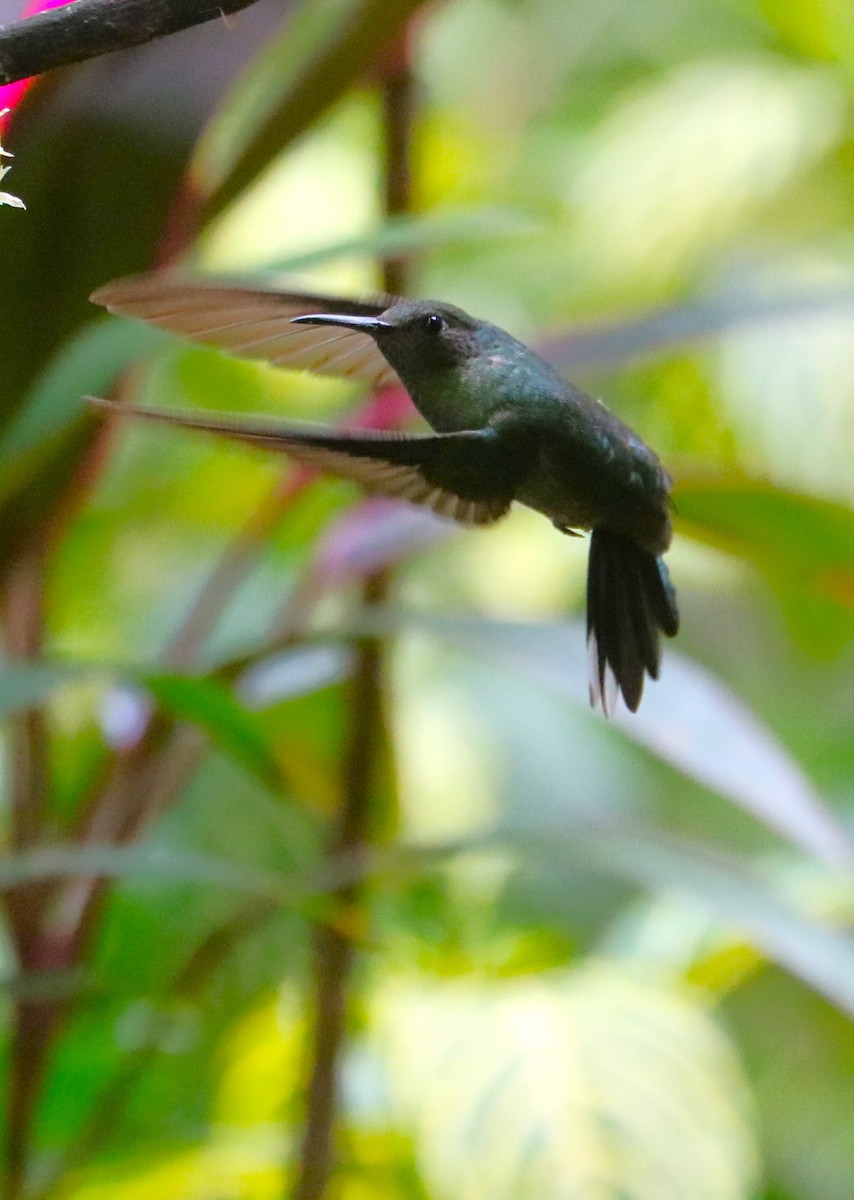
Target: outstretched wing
(470, 476)
(255, 323)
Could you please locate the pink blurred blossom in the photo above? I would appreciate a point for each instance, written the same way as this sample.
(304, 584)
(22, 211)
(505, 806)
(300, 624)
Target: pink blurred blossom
(11, 94)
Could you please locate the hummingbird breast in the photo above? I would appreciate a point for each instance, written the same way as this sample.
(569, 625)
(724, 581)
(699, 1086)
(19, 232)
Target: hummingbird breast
(588, 469)
(594, 472)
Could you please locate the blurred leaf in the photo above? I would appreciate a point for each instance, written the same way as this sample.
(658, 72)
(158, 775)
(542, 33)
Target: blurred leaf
(729, 889)
(178, 864)
(757, 520)
(201, 701)
(228, 725)
(687, 719)
(688, 939)
(823, 957)
(801, 543)
(29, 685)
(292, 673)
(600, 1083)
(405, 235)
(612, 342)
(168, 862)
(800, 1053)
(691, 156)
(230, 1165)
(263, 1059)
(255, 94)
(321, 54)
(822, 29)
(698, 725)
(87, 365)
(374, 534)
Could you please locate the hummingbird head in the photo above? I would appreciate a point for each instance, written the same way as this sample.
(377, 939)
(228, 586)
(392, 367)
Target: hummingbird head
(417, 337)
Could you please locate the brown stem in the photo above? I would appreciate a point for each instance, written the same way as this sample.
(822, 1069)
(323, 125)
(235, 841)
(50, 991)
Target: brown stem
(333, 945)
(33, 1022)
(38, 948)
(33, 1027)
(334, 951)
(398, 100)
(23, 631)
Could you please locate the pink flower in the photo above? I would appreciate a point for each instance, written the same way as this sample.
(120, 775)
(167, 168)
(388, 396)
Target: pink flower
(11, 94)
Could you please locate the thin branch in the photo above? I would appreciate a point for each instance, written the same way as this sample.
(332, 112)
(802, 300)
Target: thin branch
(23, 630)
(89, 28)
(333, 945)
(398, 115)
(334, 950)
(32, 1029)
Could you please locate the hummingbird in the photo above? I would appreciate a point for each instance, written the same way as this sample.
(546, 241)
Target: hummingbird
(505, 427)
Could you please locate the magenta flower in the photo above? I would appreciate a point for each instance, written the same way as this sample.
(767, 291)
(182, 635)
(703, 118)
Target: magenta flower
(11, 94)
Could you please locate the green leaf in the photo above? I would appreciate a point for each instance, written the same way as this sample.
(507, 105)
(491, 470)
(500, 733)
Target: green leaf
(324, 49)
(658, 331)
(405, 235)
(88, 364)
(214, 709)
(119, 862)
(800, 543)
(29, 685)
(684, 720)
(593, 1084)
(731, 890)
(254, 97)
(201, 701)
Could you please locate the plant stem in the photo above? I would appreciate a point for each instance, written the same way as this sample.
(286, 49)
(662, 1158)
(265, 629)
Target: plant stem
(32, 1020)
(23, 631)
(334, 951)
(333, 944)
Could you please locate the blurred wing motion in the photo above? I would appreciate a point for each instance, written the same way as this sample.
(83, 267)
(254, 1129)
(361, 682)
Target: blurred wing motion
(255, 323)
(470, 477)
(630, 600)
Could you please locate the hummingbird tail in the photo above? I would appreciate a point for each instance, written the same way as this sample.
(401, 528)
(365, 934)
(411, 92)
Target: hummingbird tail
(630, 601)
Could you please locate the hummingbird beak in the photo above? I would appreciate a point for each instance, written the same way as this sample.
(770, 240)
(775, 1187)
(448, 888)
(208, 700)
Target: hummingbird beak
(369, 325)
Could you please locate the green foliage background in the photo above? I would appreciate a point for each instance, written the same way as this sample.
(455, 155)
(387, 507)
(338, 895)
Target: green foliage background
(596, 960)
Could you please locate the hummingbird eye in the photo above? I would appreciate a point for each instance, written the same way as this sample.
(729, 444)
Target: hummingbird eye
(434, 323)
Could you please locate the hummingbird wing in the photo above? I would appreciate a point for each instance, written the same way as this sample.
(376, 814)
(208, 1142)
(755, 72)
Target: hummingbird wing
(255, 323)
(469, 476)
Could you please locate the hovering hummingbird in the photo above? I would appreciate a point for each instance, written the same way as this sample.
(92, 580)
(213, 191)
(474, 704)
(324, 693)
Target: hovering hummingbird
(506, 427)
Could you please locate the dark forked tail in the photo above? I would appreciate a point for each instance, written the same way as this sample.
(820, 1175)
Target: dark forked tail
(630, 599)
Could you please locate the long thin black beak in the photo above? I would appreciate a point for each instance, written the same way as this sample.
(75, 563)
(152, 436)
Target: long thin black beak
(370, 325)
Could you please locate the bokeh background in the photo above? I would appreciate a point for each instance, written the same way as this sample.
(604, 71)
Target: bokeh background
(592, 960)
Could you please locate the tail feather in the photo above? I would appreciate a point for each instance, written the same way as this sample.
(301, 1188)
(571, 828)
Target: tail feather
(630, 602)
(645, 625)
